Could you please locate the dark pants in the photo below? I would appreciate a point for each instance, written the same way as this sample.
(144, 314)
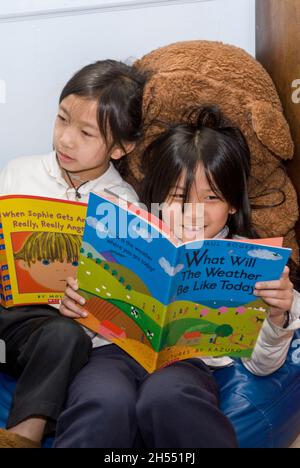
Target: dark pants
(113, 400)
(44, 351)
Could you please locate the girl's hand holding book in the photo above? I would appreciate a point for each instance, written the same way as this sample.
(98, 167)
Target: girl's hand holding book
(279, 295)
(71, 305)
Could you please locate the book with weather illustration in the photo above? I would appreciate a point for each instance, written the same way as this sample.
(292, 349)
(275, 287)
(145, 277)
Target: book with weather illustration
(40, 240)
(162, 301)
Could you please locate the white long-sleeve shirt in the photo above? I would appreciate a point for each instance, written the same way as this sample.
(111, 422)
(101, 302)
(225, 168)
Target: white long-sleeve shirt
(41, 176)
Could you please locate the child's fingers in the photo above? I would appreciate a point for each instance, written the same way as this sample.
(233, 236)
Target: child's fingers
(71, 309)
(282, 300)
(280, 304)
(71, 294)
(67, 313)
(72, 282)
(269, 285)
(286, 273)
(283, 283)
(273, 293)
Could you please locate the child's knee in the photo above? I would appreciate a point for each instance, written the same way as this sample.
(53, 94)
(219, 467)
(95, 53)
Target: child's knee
(63, 333)
(155, 401)
(110, 406)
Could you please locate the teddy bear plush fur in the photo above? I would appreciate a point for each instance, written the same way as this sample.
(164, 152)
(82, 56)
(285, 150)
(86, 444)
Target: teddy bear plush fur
(188, 74)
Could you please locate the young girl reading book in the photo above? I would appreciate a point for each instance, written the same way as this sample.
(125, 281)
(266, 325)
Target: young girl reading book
(99, 122)
(113, 398)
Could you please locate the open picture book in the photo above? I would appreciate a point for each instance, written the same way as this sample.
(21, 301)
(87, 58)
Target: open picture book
(163, 301)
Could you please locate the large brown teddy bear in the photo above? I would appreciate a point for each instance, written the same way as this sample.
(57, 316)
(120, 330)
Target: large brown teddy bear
(186, 74)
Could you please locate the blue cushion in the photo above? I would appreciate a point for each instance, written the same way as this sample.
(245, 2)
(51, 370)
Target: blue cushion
(265, 411)
(7, 387)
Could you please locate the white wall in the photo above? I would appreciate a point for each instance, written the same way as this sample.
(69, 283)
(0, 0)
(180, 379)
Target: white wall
(43, 43)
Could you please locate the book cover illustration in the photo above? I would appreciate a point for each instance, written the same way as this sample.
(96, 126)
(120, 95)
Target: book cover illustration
(163, 302)
(40, 240)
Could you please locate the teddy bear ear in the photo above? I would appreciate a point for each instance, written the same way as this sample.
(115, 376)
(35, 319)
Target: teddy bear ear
(272, 129)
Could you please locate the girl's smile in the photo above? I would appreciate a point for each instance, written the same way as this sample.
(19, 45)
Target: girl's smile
(204, 215)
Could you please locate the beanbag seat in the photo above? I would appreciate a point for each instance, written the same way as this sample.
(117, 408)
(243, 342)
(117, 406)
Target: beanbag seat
(265, 411)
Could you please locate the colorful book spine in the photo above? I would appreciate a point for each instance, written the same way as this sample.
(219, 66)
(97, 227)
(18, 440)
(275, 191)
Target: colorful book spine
(5, 284)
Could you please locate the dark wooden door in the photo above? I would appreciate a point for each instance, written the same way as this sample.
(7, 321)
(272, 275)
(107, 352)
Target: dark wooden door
(278, 49)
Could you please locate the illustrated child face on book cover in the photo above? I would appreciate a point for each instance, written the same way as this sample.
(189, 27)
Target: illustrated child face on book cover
(45, 260)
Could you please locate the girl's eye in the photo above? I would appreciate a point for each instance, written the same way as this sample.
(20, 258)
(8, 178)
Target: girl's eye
(62, 118)
(75, 264)
(87, 134)
(178, 196)
(212, 197)
(45, 262)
